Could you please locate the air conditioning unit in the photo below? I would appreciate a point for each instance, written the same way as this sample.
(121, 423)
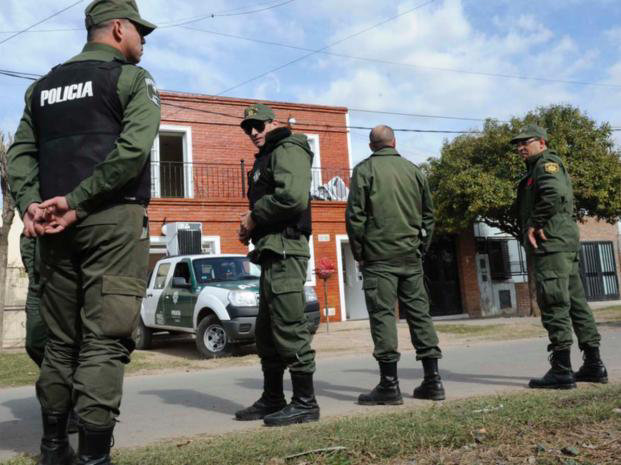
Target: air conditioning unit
(183, 238)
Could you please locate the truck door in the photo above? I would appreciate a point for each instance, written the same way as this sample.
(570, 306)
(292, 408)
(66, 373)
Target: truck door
(152, 303)
(179, 297)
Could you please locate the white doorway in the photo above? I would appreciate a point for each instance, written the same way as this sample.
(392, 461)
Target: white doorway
(350, 280)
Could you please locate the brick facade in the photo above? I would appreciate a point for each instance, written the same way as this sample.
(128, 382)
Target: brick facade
(468, 284)
(593, 230)
(217, 139)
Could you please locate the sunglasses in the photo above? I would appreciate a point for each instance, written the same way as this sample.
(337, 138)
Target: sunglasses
(254, 124)
(525, 142)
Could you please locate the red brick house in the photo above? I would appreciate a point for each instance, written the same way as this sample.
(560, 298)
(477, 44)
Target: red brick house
(199, 164)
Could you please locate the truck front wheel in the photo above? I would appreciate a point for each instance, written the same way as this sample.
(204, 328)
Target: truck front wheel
(143, 336)
(211, 338)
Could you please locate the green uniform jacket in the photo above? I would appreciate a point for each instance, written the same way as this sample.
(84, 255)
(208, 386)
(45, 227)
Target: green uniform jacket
(389, 209)
(141, 118)
(545, 200)
(290, 168)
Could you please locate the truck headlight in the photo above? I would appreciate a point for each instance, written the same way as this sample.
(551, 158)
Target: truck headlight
(309, 294)
(243, 298)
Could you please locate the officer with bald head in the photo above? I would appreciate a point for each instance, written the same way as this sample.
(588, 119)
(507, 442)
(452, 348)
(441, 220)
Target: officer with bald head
(390, 221)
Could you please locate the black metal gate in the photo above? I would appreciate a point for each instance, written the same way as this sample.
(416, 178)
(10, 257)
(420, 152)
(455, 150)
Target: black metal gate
(598, 270)
(442, 277)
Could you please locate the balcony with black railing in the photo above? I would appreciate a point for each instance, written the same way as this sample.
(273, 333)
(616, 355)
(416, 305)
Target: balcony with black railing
(211, 181)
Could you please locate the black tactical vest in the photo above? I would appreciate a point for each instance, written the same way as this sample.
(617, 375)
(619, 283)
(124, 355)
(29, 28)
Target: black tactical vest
(260, 183)
(77, 117)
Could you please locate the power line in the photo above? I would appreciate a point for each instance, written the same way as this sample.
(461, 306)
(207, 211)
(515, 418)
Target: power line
(42, 21)
(34, 77)
(17, 74)
(409, 65)
(176, 23)
(259, 10)
(419, 115)
(312, 123)
(326, 47)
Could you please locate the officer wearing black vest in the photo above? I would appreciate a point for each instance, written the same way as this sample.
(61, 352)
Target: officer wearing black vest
(79, 169)
(279, 225)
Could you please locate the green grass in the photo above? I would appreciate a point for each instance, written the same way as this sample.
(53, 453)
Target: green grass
(404, 435)
(16, 369)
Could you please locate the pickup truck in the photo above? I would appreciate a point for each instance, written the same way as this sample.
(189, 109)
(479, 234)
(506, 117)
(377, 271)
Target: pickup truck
(215, 297)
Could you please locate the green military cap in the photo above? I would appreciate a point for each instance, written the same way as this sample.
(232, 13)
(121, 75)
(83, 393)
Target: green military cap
(259, 112)
(100, 11)
(531, 131)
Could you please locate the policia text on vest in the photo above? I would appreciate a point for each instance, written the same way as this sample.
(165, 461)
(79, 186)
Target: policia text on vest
(70, 92)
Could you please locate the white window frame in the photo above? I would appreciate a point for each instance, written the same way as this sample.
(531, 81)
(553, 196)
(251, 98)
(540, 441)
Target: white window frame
(316, 167)
(188, 178)
(311, 279)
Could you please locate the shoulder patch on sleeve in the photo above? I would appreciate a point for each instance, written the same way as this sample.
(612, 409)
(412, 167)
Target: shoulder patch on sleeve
(551, 167)
(152, 91)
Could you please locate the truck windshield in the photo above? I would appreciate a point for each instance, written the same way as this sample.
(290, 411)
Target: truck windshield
(209, 270)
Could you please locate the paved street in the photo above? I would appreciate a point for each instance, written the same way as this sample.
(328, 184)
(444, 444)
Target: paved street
(182, 404)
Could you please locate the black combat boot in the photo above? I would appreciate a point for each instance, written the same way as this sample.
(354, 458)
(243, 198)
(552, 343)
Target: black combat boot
(55, 448)
(559, 376)
(593, 369)
(303, 407)
(431, 388)
(387, 392)
(94, 444)
(272, 400)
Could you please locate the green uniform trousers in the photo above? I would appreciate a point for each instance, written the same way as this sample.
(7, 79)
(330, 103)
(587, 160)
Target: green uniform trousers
(93, 278)
(282, 335)
(560, 296)
(386, 281)
(36, 329)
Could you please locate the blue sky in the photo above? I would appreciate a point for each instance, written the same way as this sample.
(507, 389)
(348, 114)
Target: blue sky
(569, 40)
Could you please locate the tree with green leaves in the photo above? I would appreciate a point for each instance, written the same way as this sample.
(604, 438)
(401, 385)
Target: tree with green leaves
(476, 176)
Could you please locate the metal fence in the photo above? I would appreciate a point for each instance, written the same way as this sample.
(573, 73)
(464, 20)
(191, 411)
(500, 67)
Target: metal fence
(219, 181)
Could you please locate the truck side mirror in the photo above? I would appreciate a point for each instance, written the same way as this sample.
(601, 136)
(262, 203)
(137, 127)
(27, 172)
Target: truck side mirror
(181, 282)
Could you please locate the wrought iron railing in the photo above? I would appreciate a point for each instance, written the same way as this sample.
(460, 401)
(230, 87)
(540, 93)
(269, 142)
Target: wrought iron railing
(219, 181)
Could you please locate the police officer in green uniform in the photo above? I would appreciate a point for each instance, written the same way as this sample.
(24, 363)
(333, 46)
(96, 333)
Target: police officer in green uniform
(390, 222)
(545, 207)
(36, 330)
(79, 168)
(279, 225)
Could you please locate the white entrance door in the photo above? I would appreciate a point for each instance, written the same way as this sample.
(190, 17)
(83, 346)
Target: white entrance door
(484, 279)
(355, 308)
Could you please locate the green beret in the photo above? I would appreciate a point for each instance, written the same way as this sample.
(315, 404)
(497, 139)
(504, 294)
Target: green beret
(100, 11)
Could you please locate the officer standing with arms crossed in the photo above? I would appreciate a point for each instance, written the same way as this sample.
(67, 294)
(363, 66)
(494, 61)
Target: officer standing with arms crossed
(390, 222)
(279, 225)
(545, 208)
(79, 169)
